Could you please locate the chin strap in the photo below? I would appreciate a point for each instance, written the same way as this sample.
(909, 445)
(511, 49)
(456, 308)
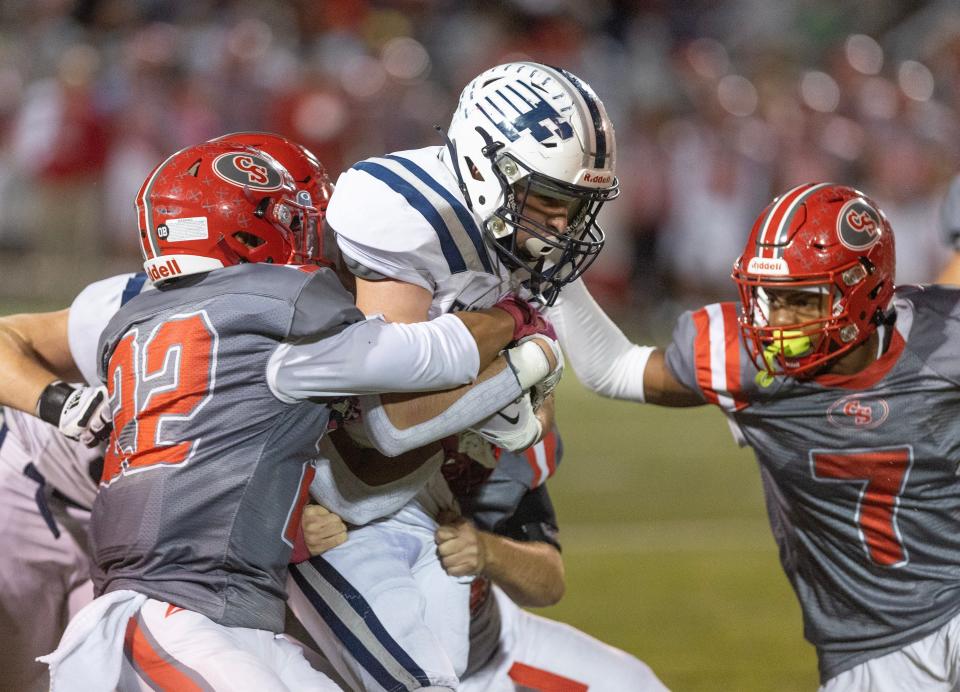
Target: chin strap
(452, 148)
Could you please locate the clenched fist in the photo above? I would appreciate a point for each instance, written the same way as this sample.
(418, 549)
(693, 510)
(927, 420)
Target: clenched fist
(460, 546)
(322, 529)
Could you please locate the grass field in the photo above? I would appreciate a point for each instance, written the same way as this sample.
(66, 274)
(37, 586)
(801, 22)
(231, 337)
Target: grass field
(667, 548)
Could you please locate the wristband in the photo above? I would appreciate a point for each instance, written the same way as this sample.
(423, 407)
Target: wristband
(51, 401)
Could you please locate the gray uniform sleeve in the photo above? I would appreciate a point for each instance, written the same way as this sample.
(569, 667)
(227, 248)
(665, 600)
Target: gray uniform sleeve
(950, 215)
(680, 356)
(373, 356)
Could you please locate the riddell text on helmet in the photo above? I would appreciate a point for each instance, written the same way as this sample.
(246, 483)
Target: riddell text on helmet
(165, 270)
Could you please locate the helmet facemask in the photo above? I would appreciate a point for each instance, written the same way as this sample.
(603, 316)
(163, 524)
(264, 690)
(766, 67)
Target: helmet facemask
(553, 257)
(802, 348)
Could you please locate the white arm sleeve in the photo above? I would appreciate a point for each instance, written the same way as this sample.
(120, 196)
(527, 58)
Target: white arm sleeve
(89, 314)
(604, 359)
(480, 402)
(374, 356)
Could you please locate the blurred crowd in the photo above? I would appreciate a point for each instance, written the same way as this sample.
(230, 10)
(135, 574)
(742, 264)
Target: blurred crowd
(717, 105)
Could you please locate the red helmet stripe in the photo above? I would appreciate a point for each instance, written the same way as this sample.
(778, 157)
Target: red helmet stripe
(778, 220)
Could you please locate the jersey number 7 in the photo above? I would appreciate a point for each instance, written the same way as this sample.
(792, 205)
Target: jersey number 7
(154, 383)
(882, 476)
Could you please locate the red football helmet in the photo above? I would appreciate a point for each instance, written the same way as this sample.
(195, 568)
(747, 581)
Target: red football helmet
(309, 175)
(822, 235)
(218, 204)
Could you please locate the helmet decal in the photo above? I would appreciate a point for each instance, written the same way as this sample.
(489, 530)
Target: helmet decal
(532, 112)
(858, 225)
(247, 170)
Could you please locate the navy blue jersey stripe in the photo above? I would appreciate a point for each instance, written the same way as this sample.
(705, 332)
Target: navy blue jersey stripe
(370, 619)
(3, 429)
(133, 287)
(416, 200)
(346, 635)
(594, 113)
(463, 214)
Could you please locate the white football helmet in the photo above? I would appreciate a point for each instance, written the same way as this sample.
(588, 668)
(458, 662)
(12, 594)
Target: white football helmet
(524, 128)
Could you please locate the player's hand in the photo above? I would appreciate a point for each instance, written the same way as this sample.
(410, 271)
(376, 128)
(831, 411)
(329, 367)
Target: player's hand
(322, 529)
(527, 320)
(81, 413)
(536, 359)
(460, 546)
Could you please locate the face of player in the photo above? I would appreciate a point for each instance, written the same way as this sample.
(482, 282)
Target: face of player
(789, 307)
(553, 213)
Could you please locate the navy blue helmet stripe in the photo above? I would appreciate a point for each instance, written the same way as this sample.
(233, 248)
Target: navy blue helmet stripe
(370, 619)
(463, 214)
(344, 633)
(418, 201)
(594, 113)
(133, 287)
(514, 106)
(495, 106)
(519, 95)
(487, 116)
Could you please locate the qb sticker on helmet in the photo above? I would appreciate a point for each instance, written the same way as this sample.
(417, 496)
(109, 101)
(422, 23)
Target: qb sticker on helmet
(858, 225)
(247, 170)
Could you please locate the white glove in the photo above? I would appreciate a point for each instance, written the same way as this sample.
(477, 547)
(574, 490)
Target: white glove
(81, 413)
(514, 427)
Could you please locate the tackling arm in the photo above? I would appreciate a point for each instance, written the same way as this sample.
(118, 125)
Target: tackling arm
(34, 351)
(606, 361)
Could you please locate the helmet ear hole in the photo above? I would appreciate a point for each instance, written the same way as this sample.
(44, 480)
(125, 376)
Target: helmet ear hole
(248, 239)
(474, 171)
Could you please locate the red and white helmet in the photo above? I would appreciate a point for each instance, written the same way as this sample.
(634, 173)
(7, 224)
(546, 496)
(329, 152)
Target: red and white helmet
(820, 235)
(309, 175)
(218, 204)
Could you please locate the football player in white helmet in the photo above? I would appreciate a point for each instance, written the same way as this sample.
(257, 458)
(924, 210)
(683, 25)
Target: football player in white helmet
(511, 199)
(533, 151)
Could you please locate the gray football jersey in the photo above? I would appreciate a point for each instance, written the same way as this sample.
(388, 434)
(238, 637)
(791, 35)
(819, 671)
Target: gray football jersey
(859, 473)
(202, 489)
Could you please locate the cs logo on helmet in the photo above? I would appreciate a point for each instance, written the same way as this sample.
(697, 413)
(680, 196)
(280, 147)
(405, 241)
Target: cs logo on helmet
(247, 170)
(858, 225)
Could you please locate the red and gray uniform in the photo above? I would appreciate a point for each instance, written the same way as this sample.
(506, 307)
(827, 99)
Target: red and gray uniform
(511, 648)
(201, 492)
(859, 473)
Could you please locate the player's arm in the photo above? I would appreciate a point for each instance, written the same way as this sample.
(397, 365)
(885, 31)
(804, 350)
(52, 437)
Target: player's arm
(530, 572)
(34, 351)
(606, 361)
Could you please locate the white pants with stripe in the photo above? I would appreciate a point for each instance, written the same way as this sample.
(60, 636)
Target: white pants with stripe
(44, 579)
(169, 648)
(541, 654)
(931, 664)
(383, 611)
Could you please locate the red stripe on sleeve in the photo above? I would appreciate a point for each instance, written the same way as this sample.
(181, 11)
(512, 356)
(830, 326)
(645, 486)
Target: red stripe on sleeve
(731, 333)
(550, 451)
(542, 680)
(701, 354)
(531, 454)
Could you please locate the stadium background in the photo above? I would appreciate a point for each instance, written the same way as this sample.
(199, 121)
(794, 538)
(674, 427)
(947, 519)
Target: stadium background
(717, 105)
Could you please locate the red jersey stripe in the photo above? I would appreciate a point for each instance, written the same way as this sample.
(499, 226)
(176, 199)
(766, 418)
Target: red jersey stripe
(731, 334)
(543, 680)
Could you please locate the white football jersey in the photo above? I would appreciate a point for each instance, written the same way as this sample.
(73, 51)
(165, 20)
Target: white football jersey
(403, 217)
